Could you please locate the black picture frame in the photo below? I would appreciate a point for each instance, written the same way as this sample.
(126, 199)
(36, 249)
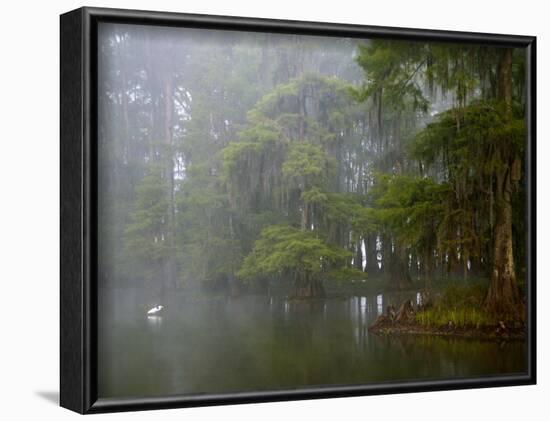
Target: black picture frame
(78, 345)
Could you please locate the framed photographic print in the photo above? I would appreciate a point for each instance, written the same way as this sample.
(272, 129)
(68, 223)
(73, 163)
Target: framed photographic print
(257, 210)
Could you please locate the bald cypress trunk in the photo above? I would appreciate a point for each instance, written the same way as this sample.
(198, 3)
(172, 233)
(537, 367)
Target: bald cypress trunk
(503, 297)
(399, 271)
(306, 286)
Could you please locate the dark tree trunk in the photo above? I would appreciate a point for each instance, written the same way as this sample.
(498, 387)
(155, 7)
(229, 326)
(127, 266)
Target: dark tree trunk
(399, 271)
(305, 286)
(464, 258)
(427, 267)
(386, 254)
(454, 268)
(371, 268)
(413, 265)
(476, 267)
(234, 285)
(305, 224)
(503, 297)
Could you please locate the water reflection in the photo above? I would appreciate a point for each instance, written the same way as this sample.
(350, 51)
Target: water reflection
(154, 321)
(286, 306)
(360, 318)
(379, 304)
(265, 343)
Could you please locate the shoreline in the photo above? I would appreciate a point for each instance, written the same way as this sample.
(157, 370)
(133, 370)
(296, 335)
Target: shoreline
(489, 333)
(404, 322)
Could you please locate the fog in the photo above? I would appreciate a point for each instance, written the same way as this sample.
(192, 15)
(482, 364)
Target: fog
(263, 198)
(170, 100)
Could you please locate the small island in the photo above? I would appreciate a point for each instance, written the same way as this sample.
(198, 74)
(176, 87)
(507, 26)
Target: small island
(447, 319)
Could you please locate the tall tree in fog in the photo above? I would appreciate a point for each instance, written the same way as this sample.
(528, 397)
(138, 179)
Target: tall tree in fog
(474, 147)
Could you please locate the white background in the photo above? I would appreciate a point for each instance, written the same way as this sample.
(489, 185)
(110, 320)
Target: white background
(29, 210)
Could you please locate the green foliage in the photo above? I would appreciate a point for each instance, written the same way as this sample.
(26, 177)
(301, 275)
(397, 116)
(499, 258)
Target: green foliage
(236, 153)
(331, 93)
(472, 144)
(349, 210)
(410, 207)
(467, 137)
(282, 249)
(208, 246)
(392, 71)
(284, 159)
(145, 233)
(314, 196)
(306, 166)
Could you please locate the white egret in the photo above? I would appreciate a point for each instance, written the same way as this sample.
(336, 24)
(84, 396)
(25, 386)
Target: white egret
(155, 311)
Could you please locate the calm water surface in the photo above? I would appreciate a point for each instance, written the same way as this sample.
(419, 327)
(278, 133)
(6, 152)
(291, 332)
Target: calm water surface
(259, 343)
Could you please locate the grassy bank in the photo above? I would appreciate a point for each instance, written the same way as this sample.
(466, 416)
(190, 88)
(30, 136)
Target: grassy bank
(462, 305)
(452, 308)
(459, 305)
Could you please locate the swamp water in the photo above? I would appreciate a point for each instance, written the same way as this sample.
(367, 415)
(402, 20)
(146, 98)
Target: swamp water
(255, 343)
